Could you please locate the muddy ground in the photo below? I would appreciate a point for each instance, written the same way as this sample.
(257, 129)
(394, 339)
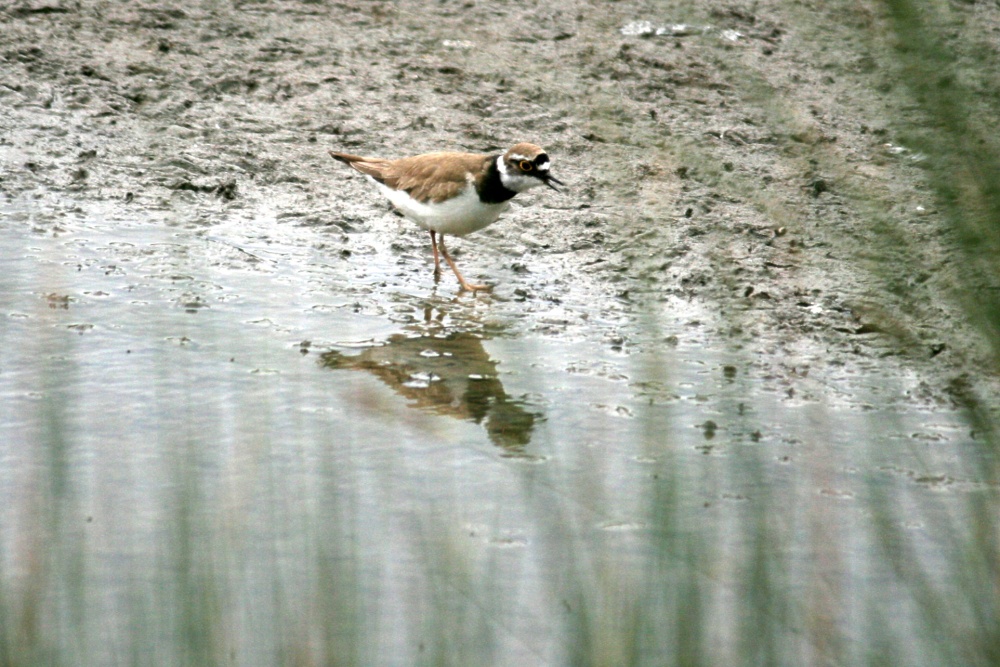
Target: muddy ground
(742, 156)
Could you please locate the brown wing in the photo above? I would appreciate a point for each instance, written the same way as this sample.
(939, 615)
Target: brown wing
(432, 177)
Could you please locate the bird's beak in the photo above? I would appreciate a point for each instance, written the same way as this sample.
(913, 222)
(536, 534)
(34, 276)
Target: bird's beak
(549, 179)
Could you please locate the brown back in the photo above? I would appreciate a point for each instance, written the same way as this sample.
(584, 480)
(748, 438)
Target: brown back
(432, 177)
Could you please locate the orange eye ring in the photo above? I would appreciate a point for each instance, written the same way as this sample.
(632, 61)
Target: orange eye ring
(525, 165)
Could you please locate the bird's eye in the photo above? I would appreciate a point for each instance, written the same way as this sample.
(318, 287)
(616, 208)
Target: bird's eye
(525, 165)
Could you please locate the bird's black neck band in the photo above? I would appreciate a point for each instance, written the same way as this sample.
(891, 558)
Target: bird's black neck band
(492, 190)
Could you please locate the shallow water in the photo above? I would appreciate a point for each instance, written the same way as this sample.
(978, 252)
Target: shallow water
(327, 447)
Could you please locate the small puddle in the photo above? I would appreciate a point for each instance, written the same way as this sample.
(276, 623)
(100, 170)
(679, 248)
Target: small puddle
(294, 407)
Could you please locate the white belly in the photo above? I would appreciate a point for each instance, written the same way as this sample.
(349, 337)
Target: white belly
(457, 216)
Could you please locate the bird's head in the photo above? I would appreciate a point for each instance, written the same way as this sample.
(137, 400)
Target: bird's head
(524, 166)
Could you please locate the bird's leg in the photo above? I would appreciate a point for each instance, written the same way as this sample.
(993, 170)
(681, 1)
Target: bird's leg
(461, 281)
(437, 262)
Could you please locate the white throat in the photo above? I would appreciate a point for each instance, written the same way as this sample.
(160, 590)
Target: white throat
(515, 182)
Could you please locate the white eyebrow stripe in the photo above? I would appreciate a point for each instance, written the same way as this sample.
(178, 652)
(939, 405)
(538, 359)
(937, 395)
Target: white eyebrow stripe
(519, 157)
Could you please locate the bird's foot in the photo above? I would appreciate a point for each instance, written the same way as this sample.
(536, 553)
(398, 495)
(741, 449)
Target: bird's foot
(472, 287)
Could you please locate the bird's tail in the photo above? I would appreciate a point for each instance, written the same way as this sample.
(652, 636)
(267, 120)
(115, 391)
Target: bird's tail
(347, 158)
(369, 166)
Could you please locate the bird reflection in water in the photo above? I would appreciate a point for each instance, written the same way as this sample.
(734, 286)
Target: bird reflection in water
(448, 374)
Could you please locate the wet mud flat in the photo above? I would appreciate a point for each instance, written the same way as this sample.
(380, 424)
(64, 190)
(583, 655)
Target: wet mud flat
(727, 155)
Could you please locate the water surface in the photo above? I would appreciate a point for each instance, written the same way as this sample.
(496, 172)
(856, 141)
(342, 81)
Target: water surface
(232, 439)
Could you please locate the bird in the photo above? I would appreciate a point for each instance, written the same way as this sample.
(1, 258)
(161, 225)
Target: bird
(455, 193)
